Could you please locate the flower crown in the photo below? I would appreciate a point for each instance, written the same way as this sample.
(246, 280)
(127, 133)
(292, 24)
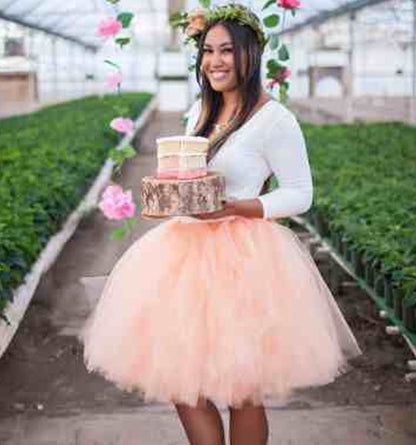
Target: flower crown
(193, 23)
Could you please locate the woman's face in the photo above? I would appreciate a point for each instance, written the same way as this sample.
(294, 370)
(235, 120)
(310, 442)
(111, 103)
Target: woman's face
(218, 63)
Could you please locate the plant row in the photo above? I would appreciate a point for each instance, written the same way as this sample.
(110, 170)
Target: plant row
(49, 159)
(364, 203)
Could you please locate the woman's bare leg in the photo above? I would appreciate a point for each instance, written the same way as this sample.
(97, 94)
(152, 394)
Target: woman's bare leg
(248, 425)
(202, 424)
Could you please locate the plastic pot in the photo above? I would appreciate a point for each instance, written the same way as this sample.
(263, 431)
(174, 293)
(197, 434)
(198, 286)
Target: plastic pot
(345, 249)
(378, 283)
(310, 216)
(398, 297)
(336, 240)
(320, 224)
(357, 262)
(316, 221)
(409, 312)
(369, 273)
(388, 290)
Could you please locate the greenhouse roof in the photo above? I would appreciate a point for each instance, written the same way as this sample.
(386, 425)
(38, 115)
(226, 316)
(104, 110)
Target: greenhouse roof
(77, 20)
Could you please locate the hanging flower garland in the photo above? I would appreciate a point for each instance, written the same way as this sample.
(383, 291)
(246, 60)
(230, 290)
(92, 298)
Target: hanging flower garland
(115, 203)
(277, 70)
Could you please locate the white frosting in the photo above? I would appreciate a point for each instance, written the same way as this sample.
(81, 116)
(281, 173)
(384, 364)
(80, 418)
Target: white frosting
(182, 138)
(271, 141)
(181, 154)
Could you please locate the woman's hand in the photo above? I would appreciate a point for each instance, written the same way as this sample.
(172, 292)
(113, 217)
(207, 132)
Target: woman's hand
(250, 208)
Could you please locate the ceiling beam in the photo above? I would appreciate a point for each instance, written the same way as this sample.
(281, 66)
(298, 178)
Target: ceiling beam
(32, 7)
(324, 16)
(27, 24)
(62, 13)
(9, 3)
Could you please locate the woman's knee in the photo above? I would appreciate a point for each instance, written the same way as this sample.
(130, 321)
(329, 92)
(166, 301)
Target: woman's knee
(202, 403)
(249, 404)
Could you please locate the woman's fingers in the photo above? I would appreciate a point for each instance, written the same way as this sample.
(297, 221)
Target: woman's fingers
(228, 209)
(213, 215)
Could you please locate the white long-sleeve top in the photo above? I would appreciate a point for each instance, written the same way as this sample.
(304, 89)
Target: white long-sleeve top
(271, 141)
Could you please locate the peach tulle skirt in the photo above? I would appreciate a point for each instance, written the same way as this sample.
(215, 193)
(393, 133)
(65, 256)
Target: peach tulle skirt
(232, 309)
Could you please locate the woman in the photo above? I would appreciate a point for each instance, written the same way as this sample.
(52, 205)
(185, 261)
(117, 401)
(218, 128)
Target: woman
(226, 307)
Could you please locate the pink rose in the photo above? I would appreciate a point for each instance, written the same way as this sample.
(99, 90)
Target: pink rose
(283, 74)
(288, 4)
(280, 77)
(122, 124)
(190, 31)
(271, 83)
(115, 204)
(114, 80)
(109, 27)
(196, 22)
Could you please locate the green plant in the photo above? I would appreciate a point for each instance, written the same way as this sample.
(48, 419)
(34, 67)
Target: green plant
(49, 160)
(364, 187)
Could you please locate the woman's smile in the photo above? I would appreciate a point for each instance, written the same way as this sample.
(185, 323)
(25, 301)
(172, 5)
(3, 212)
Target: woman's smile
(218, 75)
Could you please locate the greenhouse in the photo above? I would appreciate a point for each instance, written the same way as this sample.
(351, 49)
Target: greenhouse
(132, 148)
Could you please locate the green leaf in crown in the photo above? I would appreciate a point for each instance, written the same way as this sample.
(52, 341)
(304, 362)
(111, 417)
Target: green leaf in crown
(205, 3)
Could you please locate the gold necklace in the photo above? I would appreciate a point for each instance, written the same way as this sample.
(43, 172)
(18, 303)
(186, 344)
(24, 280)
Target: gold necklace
(223, 126)
(220, 127)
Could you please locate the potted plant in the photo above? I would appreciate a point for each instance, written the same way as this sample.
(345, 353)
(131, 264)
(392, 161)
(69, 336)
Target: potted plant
(320, 223)
(388, 289)
(379, 283)
(335, 237)
(409, 311)
(398, 297)
(357, 261)
(345, 248)
(369, 266)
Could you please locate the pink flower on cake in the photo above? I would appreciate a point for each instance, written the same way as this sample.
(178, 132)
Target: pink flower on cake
(288, 4)
(109, 27)
(114, 80)
(116, 204)
(122, 124)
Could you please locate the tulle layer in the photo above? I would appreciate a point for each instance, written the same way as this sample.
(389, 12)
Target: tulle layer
(233, 310)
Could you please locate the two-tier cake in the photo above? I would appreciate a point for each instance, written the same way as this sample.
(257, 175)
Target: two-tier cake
(182, 157)
(182, 185)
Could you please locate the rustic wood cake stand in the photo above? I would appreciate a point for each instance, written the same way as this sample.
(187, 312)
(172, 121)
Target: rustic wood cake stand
(178, 197)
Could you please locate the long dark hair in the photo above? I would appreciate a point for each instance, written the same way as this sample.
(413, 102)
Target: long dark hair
(248, 82)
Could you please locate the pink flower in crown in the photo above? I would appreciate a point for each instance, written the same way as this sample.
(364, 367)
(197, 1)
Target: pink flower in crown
(288, 4)
(122, 124)
(116, 204)
(197, 22)
(109, 27)
(114, 80)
